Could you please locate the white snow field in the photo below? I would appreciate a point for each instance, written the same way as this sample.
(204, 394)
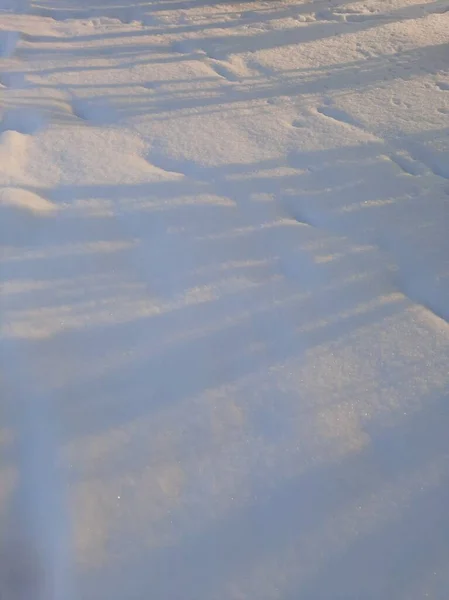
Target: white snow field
(224, 300)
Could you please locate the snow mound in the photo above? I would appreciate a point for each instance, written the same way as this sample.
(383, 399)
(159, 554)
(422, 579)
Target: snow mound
(26, 201)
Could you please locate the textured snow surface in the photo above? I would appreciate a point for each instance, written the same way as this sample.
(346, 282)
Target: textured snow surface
(224, 300)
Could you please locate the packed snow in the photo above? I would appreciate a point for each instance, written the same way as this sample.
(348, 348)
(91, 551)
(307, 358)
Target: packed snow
(224, 296)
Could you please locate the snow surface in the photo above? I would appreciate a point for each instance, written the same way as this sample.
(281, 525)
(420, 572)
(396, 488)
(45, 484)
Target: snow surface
(224, 300)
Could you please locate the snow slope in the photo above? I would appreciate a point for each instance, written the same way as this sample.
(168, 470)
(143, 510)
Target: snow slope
(224, 299)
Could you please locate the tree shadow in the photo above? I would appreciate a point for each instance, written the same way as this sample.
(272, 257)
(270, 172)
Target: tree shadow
(202, 287)
(173, 98)
(150, 12)
(357, 526)
(217, 290)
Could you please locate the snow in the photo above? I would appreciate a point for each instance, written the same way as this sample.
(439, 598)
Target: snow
(224, 296)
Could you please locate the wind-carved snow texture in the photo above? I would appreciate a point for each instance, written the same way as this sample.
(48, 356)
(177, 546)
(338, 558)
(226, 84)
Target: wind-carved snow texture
(224, 300)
